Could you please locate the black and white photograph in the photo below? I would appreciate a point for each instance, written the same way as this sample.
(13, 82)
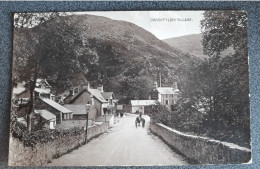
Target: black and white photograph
(130, 88)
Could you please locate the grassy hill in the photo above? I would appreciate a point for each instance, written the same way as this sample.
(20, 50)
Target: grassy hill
(118, 50)
(191, 44)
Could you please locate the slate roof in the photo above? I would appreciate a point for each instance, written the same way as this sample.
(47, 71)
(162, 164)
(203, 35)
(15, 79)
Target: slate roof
(71, 98)
(143, 102)
(40, 81)
(97, 94)
(107, 95)
(22, 121)
(19, 89)
(76, 109)
(167, 90)
(56, 106)
(46, 115)
(40, 90)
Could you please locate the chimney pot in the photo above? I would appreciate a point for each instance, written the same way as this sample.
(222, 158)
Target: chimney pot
(72, 92)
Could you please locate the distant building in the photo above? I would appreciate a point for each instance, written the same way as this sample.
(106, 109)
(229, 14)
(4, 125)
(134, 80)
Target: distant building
(43, 84)
(47, 118)
(141, 106)
(167, 96)
(42, 89)
(101, 102)
(61, 112)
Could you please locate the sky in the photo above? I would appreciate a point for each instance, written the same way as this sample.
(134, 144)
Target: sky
(163, 24)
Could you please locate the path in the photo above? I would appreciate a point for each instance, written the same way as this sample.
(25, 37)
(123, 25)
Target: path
(123, 144)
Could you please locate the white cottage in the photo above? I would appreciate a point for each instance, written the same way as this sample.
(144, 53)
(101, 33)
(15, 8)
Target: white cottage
(140, 106)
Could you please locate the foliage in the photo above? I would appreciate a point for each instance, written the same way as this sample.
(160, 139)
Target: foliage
(29, 20)
(185, 118)
(42, 53)
(137, 87)
(214, 98)
(160, 114)
(223, 29)
(30, 139)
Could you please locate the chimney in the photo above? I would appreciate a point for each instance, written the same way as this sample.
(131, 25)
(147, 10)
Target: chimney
(92, 99)
(88, 86)
(175, 85)
(76, 90)
(71, 92)
(155, 85)
(100, 88)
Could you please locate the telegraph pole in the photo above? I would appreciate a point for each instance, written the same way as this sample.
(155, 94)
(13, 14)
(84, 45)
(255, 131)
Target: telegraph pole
(86, 131)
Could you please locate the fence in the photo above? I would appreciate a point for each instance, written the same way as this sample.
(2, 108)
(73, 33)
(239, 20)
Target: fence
(43, 152)
(202, 150)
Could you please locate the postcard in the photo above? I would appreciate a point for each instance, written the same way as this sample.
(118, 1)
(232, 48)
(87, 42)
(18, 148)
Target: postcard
(130, 88)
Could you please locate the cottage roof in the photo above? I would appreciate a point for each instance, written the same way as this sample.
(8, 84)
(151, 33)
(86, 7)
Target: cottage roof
(22, 121)
(40, 81)
(70, 98)
(56, 106)
(76, 109)
(46, 115)
(97, 94)
(143, 102)
(19, 89)
(107, 95)
(167, 90)
(40, 90)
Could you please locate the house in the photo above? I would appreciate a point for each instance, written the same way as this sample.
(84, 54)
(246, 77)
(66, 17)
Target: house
(167, 96)
(20, 94)
(119, 108)
(79, 112)
(22, 121)
(42, 89)
(101, 102)
(141, 106)
(43, 84)
(61, 112)
(48, 119)
(19, 89)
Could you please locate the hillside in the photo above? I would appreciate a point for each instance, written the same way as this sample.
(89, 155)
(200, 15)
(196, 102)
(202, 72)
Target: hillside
(191, 44)
(114, 51)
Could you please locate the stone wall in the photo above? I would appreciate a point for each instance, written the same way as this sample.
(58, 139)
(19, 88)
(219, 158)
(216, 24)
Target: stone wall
(202, 150)
(42, 153)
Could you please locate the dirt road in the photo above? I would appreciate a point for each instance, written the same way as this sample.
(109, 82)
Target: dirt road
(123, 144)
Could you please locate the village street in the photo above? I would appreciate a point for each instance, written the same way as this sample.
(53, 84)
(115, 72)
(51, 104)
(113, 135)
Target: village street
(123, 144)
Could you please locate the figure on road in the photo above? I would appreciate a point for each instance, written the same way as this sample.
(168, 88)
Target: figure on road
(143, 122)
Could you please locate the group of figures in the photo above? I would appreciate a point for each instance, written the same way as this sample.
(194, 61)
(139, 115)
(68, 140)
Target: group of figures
(139, 121)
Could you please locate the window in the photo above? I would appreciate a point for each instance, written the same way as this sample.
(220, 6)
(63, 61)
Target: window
(166, 102)
(166, 96)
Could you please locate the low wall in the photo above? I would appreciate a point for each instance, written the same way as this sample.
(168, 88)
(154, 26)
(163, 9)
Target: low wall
(201, 149)
(42, 153)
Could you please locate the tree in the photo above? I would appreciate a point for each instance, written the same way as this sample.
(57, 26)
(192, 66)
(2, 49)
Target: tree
(215, 91)
(29, 20)
(42, 51)
(223, 30)
(135, 88)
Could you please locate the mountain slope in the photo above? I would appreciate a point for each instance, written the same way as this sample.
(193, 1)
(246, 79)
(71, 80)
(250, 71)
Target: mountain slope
(113, 51)
(191, 44)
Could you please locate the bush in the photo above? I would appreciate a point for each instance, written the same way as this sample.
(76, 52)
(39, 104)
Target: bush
(30, 139)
